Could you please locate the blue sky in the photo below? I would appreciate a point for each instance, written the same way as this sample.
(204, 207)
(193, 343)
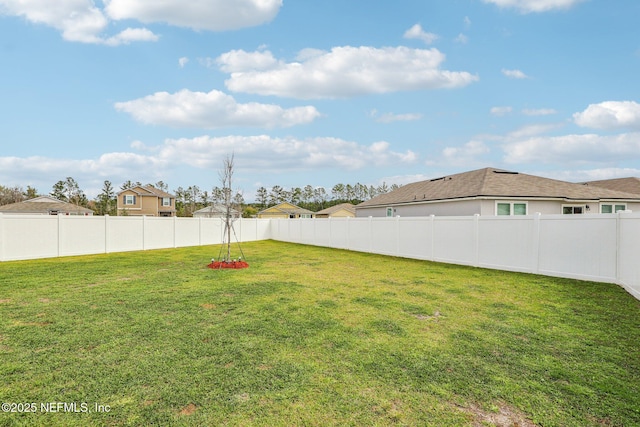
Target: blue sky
(316, 92)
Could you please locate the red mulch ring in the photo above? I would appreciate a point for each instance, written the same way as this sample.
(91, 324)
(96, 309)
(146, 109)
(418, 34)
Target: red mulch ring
(216, 265)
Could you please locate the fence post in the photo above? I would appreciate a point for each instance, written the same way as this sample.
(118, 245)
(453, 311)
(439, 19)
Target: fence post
(59, 233)
(476, 240)
(432, 218)
(397, 235)
(175, 220)
(536, 243)
(144, 232)
(348, 237)
(106, 233)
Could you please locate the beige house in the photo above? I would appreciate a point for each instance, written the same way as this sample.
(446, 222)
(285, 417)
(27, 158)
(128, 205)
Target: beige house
(491, 191)
(146, 200)
(343, 210)
(285, 210)
(44, 205)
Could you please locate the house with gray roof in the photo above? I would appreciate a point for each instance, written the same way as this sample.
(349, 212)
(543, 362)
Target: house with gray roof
(343, 210)
(44, 205)
(285, 210)
(492, 191)
(216, 211)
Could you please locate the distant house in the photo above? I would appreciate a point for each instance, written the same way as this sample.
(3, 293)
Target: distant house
(491, 191)
(285, 210)
(146, 200)
(216, 211)
(44, 205)
(342, 210)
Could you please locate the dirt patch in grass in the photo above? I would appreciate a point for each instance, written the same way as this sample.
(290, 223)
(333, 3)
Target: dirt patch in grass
(4, 301)
(503, 416)
(435, 316)
(189, 409)
(208, 306)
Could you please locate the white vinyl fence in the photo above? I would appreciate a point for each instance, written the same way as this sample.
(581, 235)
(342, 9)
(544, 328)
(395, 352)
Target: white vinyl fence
(45, 236)
(604, 248)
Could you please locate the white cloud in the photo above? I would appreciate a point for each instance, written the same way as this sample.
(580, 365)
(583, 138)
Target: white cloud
(131, 35)
(213, 15)
(610, 115)
(183, 61)
(267, 154)
(343, 72)
(501, 111)
(467, 22)
(467, 155)
(416, 32)
(240, 61)
(78, 20)
(391, 117)
(574, 149)
(82, 21)
(514, 74)
(461, 38)
(527, 6)
(539, 112)
(211, 111)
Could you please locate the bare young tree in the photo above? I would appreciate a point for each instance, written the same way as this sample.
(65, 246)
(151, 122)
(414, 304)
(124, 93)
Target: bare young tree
(229, 199)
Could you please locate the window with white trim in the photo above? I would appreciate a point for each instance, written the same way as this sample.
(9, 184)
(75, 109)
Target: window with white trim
(511, 208)
(166, 201)
(389, 212)
(573, 209)
(612, 208)
(129, 199)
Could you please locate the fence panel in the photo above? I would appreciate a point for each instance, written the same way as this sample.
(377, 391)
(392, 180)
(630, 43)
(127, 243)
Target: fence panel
(158, 233)
(414, 237)
(28, 237)
(125, 234)
(81, 237)
(454, 240)
(507, 243)
(582, 248)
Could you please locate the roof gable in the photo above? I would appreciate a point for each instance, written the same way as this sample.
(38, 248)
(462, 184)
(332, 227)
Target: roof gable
(147, 190)
(347, 207)
(287, 208)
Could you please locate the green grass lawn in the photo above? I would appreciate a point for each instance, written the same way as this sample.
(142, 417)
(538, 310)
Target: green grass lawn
(312, 336)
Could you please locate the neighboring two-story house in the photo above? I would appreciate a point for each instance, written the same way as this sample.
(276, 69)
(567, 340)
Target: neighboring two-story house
(146, 200)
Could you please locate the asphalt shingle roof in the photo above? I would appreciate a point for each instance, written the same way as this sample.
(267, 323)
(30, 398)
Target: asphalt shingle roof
(492, 182)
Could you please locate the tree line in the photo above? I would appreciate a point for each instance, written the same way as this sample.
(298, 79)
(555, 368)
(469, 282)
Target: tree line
(192, 198)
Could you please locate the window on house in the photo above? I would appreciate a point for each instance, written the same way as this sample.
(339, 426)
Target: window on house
(389, 212)
(573, 209)
(166, 201)
(129, 199)
(610, 208)
(511, 208)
